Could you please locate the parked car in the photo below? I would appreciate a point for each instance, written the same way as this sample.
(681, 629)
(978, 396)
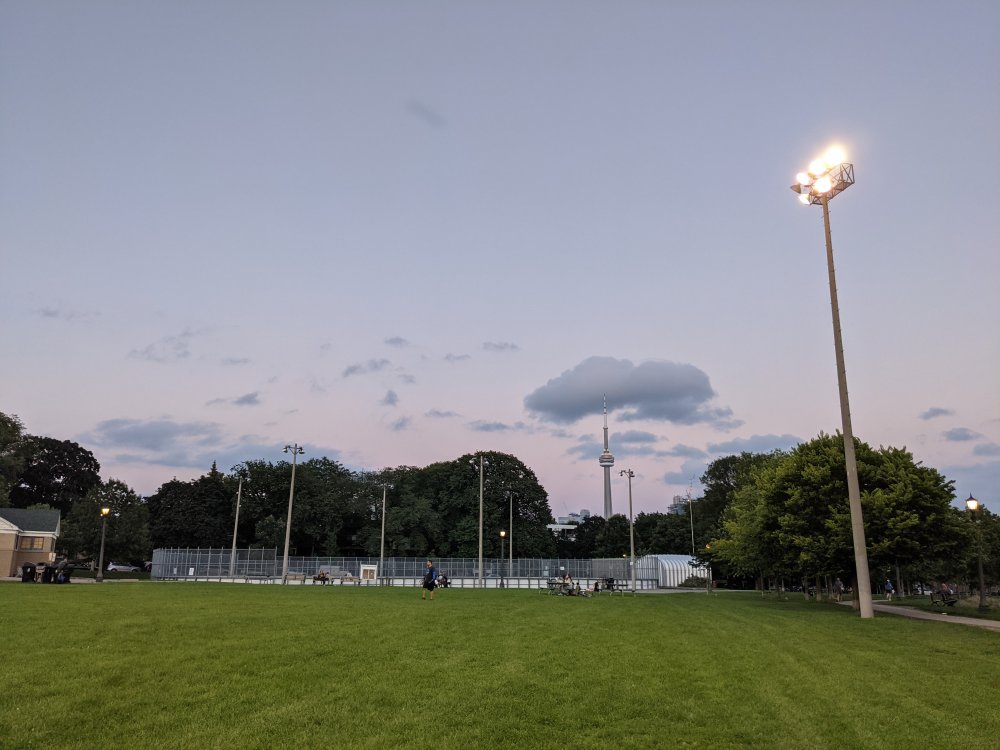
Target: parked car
(122, 568)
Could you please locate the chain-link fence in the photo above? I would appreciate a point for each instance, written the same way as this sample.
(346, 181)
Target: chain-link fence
(265, 565)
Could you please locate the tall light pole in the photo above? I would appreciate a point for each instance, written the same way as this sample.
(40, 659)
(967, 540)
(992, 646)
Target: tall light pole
(100, 558)
(296, 450)
(691, 514)
(502, 535)
(481, 582)
(381, 546)
(826, 178)
(631, 526)
(236, 524)
(510, 545)
(975, 510)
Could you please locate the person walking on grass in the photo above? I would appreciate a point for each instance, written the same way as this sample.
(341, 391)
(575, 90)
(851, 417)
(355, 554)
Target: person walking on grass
(430, 580)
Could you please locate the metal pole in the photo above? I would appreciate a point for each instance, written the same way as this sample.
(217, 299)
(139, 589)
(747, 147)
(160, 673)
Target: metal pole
(510, 547)
(481, 583)
(295, 450)
(501, 558)
(236, 523)
(631, 529)
(100, 559)
(864, 589)
(691, 514)
(982, 578)
(381, 547)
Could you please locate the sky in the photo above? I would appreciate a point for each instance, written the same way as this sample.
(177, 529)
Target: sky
(395, 233)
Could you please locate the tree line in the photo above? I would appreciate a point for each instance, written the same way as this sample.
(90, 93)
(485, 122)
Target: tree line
(761, 516)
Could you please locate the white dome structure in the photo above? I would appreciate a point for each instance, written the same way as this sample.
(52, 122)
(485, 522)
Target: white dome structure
(673, 570)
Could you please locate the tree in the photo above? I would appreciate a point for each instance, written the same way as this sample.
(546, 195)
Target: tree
(127, 532)
(55, 472)
(192, 514)
(11, 454)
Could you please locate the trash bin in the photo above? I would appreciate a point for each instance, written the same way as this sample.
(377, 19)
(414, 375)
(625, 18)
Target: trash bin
(64, 573)
(28, 573)
(48, 574)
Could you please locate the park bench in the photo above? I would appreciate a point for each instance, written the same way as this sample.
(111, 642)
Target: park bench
(940, 597)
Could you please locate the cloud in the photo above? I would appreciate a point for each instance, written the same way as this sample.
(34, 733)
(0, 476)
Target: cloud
(687, 451)
(500, 346)
(439, 414)
(401, 424)
(54, 313)
(397, 341)
(755, 444)
(425, 113)
(662, 391)
(960, 435)
(635, 436)
(390, 399)
(987, 449)
(689, 475)
(936, 411)
(248, 399)
(167, 349)
(456, 357)
(156, 435)
(235, 361)
(363, 368)
(481, 426)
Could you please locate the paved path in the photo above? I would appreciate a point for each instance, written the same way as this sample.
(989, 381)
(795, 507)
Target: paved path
(919, 614)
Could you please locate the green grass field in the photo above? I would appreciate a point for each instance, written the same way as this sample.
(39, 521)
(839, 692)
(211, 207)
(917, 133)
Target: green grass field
(189, 665)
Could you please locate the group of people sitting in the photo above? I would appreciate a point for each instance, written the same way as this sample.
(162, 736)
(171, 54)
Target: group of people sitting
(568, 588)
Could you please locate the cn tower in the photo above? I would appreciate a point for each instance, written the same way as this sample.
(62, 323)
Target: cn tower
(606, 461)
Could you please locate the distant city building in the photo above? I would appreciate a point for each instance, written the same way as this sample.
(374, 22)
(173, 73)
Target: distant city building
(679, 506)
(606, 461)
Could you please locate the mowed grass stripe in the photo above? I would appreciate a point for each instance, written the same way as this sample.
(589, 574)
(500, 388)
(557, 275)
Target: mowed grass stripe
(182, 665)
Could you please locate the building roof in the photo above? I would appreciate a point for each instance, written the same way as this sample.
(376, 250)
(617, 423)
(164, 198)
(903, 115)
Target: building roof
(31, 520)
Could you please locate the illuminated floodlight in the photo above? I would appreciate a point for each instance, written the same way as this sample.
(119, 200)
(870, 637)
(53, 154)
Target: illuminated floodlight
(826, 177)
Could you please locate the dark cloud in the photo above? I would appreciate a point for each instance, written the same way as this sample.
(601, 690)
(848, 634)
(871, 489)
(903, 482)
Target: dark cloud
(363, 368)
(235, 361)
(629, 444)
(456, 357)
(390, 399)
(661, 391)
(248, 399)
(960, 435)
(687, 451)
(439, 414)
(987, 449)
(500, 346)
(936, 411)
(755, 444)
(401, 424)
(156, 435)
(397, 341)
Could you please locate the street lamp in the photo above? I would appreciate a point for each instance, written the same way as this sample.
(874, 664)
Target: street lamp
(631, 526)
(296, 450)
(975, 510)
(502, 535)
(105, 512)
(827, 177)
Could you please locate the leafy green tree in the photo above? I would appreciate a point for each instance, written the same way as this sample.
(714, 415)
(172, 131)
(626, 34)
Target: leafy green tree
(192, 514)
(127, 534)
(55, 473)
(11, 454)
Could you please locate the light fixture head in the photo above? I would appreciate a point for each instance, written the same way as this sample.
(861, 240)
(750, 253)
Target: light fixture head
(805, 198)
(105, 511)
(834, 155)
(817, 167)
(823, 185)
(972, 504)
(503, 534)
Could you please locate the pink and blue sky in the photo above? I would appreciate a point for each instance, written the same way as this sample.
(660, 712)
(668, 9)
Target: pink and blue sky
(400, 232)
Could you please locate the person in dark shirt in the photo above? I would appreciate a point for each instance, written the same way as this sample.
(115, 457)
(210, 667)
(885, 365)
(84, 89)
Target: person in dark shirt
(430, 580)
